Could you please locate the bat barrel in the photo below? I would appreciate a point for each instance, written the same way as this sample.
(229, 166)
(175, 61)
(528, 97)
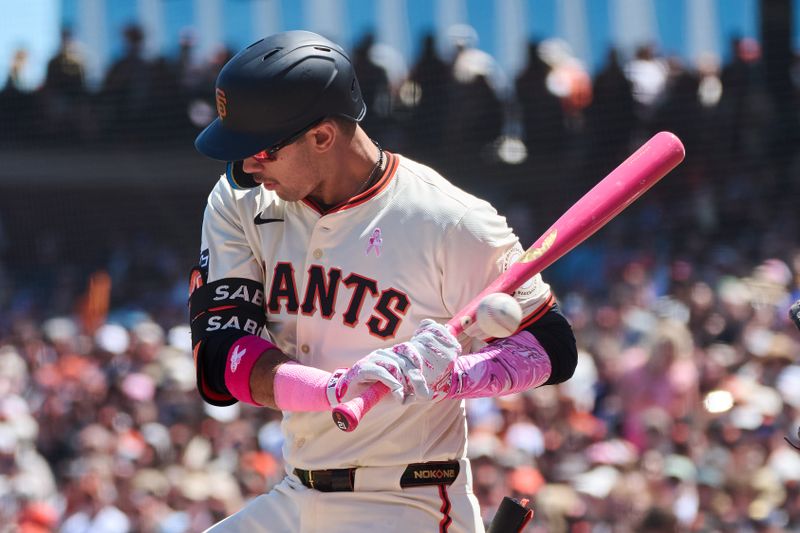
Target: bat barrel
(632, 178)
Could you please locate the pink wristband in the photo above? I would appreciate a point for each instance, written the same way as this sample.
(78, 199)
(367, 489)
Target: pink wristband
(242, 357)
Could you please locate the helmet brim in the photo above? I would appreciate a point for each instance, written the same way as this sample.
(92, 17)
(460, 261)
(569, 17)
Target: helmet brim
(218, 142)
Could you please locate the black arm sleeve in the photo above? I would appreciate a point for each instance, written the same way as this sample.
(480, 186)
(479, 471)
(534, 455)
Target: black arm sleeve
(554, 333)
(221, 312)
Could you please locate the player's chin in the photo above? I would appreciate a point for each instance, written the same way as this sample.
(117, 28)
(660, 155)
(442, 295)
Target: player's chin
(283, 194)
(272, 185)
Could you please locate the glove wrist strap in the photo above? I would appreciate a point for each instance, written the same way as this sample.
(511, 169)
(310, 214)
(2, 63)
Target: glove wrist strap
(334, 397)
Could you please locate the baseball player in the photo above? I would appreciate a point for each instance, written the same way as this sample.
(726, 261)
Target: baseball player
(328, 263)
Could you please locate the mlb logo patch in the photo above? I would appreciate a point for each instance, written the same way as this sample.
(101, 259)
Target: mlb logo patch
(204, 263)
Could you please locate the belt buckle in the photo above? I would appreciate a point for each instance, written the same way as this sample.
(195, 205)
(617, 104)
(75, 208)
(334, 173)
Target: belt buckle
(311, 478)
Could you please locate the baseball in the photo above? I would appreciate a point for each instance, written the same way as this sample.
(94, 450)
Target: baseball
(498, 314)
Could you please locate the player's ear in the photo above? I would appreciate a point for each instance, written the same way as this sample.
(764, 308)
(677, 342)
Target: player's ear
(323, 135)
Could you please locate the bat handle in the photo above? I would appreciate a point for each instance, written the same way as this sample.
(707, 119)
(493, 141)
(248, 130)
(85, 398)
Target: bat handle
(347, 415)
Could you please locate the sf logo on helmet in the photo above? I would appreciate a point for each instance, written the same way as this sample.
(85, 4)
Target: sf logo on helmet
(222, 102)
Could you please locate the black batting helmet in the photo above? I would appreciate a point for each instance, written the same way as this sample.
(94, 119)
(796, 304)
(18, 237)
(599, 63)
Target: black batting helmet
(275, 88)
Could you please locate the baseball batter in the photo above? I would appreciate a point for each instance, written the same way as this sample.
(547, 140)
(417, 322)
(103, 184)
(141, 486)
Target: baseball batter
(329, 263)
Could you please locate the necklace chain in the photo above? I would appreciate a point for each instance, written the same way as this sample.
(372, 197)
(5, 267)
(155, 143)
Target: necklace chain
(376, 168)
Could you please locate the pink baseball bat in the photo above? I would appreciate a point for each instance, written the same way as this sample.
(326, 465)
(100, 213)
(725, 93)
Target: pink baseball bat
(643, 169)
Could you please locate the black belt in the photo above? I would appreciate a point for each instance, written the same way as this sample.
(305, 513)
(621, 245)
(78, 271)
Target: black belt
(415, 475)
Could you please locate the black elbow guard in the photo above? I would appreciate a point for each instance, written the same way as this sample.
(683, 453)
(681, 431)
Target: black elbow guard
(555, 335)
(220, 313)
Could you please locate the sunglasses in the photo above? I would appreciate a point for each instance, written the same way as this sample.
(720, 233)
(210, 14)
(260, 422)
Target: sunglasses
(268, 154)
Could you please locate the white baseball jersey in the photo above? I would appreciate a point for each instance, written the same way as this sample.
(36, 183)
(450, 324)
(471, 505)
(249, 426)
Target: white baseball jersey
(360, 277)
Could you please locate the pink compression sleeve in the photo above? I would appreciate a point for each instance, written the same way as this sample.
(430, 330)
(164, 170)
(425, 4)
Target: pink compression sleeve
(301, 388)
(503, 367)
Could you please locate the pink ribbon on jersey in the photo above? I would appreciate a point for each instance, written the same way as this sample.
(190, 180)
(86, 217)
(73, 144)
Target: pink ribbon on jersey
(375, 242)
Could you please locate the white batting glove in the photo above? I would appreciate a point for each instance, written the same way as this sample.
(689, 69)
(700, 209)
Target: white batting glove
(419, 369)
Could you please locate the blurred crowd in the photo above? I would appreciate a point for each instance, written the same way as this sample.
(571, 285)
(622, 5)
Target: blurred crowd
(688, 378)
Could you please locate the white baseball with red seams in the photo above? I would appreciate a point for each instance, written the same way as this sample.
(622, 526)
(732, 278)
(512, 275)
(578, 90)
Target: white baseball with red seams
(498, 315)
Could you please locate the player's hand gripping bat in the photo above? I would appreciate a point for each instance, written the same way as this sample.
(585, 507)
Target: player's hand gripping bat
(643, 169)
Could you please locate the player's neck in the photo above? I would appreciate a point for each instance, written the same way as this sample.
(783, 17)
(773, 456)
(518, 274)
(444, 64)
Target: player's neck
(360, 164)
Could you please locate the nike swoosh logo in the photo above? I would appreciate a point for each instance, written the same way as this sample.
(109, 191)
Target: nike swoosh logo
(258, 220)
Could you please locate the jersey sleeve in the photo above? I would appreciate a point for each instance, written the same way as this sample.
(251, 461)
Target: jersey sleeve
(480, 248)
(226, 251)
(226, 292)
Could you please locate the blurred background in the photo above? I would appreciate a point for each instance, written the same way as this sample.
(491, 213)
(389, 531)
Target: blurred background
(688, 378)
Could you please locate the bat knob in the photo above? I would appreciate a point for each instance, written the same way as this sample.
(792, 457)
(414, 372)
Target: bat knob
(344, 419)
